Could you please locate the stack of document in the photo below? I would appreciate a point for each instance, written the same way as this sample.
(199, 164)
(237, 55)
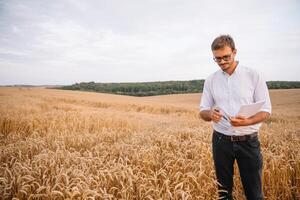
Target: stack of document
(245, 111)
(250, 109)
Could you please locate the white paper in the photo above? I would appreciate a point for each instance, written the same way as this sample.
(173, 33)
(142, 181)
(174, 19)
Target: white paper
(245, 111)
(250, 109)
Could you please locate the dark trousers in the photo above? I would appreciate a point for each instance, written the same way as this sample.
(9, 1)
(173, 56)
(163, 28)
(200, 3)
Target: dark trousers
(249, 160)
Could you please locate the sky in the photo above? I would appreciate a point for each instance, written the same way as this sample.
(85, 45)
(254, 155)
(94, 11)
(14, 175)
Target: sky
(61, 42)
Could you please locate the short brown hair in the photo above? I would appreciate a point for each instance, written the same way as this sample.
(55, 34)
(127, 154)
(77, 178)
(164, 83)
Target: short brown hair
(222, 41)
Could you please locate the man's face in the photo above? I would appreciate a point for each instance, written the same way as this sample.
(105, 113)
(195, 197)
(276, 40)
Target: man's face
(224, 57)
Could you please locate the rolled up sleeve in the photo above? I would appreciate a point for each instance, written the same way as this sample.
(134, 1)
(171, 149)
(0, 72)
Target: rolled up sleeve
(207, 101)
(261, 93)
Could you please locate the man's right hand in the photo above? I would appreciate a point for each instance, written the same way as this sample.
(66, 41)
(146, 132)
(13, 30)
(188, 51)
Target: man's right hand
(211, 115)
(215, 115)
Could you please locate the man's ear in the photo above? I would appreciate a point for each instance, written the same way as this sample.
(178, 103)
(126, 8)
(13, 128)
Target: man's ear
(234, 51)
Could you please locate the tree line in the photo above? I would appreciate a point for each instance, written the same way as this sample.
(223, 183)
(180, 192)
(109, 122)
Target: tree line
(160, 87)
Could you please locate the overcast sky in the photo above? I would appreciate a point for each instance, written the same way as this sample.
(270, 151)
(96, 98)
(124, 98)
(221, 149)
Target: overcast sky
(68, 41)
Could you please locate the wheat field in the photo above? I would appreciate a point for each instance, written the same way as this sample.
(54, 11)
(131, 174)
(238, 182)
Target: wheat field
(81, 145)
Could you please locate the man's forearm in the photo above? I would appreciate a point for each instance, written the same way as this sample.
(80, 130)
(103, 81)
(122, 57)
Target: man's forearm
(258, 117)
(242, 121)
(205, 115)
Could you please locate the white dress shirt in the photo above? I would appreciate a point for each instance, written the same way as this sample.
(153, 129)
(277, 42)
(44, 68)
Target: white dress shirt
(229, 92)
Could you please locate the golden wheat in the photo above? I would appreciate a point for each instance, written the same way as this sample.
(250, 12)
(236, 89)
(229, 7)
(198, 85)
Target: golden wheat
(79, 145)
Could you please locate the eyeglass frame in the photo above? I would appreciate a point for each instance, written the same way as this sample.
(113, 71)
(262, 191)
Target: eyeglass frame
(225, 58)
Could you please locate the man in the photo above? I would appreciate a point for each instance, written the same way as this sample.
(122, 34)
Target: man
(234, 137)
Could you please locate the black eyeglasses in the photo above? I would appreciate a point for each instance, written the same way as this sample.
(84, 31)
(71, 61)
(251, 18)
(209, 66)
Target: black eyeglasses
(225, 58)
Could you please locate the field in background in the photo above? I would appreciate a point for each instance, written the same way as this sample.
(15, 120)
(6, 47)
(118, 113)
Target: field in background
(66, 144)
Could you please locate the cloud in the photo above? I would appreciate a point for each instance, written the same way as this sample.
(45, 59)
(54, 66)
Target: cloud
(119, 41)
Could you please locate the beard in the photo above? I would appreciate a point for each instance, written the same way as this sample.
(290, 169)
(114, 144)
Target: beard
(225, 66)
(229, 66)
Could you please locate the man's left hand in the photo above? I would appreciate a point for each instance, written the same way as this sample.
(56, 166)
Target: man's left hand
(240, 121)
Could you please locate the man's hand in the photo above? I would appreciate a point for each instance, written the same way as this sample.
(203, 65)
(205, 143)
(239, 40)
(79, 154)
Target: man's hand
(243, 121)
(215, 115)
(240, 121)
(208, 115)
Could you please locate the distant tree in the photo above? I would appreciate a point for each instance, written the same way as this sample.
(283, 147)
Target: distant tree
(159, 88)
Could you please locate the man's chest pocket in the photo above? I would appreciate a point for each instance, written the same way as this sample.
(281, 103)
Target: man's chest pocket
(243, 93)
(221, 94)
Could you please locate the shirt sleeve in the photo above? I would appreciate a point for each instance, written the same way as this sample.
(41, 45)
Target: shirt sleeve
(261, 93)
(207, 100)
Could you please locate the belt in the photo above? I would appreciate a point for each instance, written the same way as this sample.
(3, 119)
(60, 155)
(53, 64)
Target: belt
(236, 138)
